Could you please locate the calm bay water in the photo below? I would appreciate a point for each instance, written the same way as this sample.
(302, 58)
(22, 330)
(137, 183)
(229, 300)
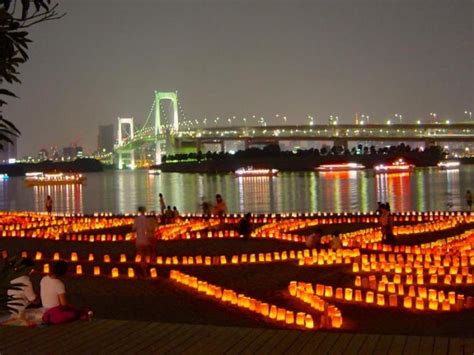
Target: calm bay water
(123, 191)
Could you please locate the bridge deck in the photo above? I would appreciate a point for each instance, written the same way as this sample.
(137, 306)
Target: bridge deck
(120, 336)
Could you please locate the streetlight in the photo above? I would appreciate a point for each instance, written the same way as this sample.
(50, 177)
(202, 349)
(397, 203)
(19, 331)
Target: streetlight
(468, 113)
(389, 122)
(399, 116)
(433, 116)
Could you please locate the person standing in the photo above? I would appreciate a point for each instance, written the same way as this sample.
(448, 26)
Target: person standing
(469, 199)
(143, 240)
(245, 226)
(220, 209)
(49, 204)
(162, 204)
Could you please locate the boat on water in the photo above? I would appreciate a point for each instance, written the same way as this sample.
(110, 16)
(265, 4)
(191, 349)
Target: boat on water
(250, 171)
(340, 167)
(38, 179)
(396, 167)
(154, 171)
(449, 164)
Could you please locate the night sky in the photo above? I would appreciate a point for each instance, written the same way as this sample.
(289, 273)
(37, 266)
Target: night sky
(243, 58)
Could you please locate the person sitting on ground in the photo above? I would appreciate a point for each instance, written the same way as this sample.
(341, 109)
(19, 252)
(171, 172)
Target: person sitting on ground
(314, 239)
(245, 226)
(24, 295)
(336, 242)
(53, 298)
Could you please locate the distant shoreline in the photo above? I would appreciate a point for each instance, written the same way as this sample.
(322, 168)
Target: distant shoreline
(76, 166)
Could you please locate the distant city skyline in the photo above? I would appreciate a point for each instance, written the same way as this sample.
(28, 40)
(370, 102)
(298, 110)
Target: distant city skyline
(243, 58)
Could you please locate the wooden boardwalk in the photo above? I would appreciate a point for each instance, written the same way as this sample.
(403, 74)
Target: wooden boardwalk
(120, 336)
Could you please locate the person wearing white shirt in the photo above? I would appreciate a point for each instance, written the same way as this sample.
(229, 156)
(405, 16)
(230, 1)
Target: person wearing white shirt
(53, 291)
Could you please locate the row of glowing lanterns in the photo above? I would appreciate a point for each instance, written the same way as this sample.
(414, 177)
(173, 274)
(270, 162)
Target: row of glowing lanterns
(417, 298)
(191, 229)
(261, 218)
(267, 311)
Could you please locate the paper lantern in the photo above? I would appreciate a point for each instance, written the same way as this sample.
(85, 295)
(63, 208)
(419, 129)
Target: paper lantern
(308, 322)
(273, 312)
(73, 256)
(407, 302)
(348, 294)
(300, 318)
(419, 304)
(115, 272)
(369, 297)
(289, 317)
(46, 268)
(131, 272)
(79, 269)
(96, 270)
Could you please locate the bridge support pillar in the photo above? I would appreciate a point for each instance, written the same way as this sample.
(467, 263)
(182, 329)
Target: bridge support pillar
(123, 157)
(222, 143)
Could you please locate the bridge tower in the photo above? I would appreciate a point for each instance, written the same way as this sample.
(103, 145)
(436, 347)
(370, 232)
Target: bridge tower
(173, 97)
(129, 154)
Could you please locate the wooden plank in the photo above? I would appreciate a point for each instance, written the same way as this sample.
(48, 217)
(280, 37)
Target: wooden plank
(200, 336)
(155, 337)
(43, 336)
(268, 335)
(233, 337)
(151, 330)
(161, 343)
(426, 345)
(313, 343)
(300, 342)
(355, 344)
(220, 335)
(328, 342)
(285, 344)
(84, 335)
(383, 344)
(245, 341)
(441, 346)
(468, 345)
(398, 344)
(456, 346)
(411, 345)
(342, 342)
(113, 338)
(368, 346)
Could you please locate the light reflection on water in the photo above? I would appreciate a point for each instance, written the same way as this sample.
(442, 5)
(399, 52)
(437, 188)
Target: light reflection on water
(123, 191)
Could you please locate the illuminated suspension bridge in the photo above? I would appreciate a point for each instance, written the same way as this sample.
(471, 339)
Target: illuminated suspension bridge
(168, 135)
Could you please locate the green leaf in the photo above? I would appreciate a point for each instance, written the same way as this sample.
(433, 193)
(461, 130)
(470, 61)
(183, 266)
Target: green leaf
(7, 92)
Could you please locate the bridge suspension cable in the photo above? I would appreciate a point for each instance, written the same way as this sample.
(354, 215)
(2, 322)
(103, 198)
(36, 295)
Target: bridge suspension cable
(148, 118)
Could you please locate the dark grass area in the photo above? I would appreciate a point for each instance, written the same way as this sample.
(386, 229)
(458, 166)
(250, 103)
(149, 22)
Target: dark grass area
(164, 301)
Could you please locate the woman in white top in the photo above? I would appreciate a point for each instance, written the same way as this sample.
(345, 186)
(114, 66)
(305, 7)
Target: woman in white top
(53, 292)
(53, 297)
